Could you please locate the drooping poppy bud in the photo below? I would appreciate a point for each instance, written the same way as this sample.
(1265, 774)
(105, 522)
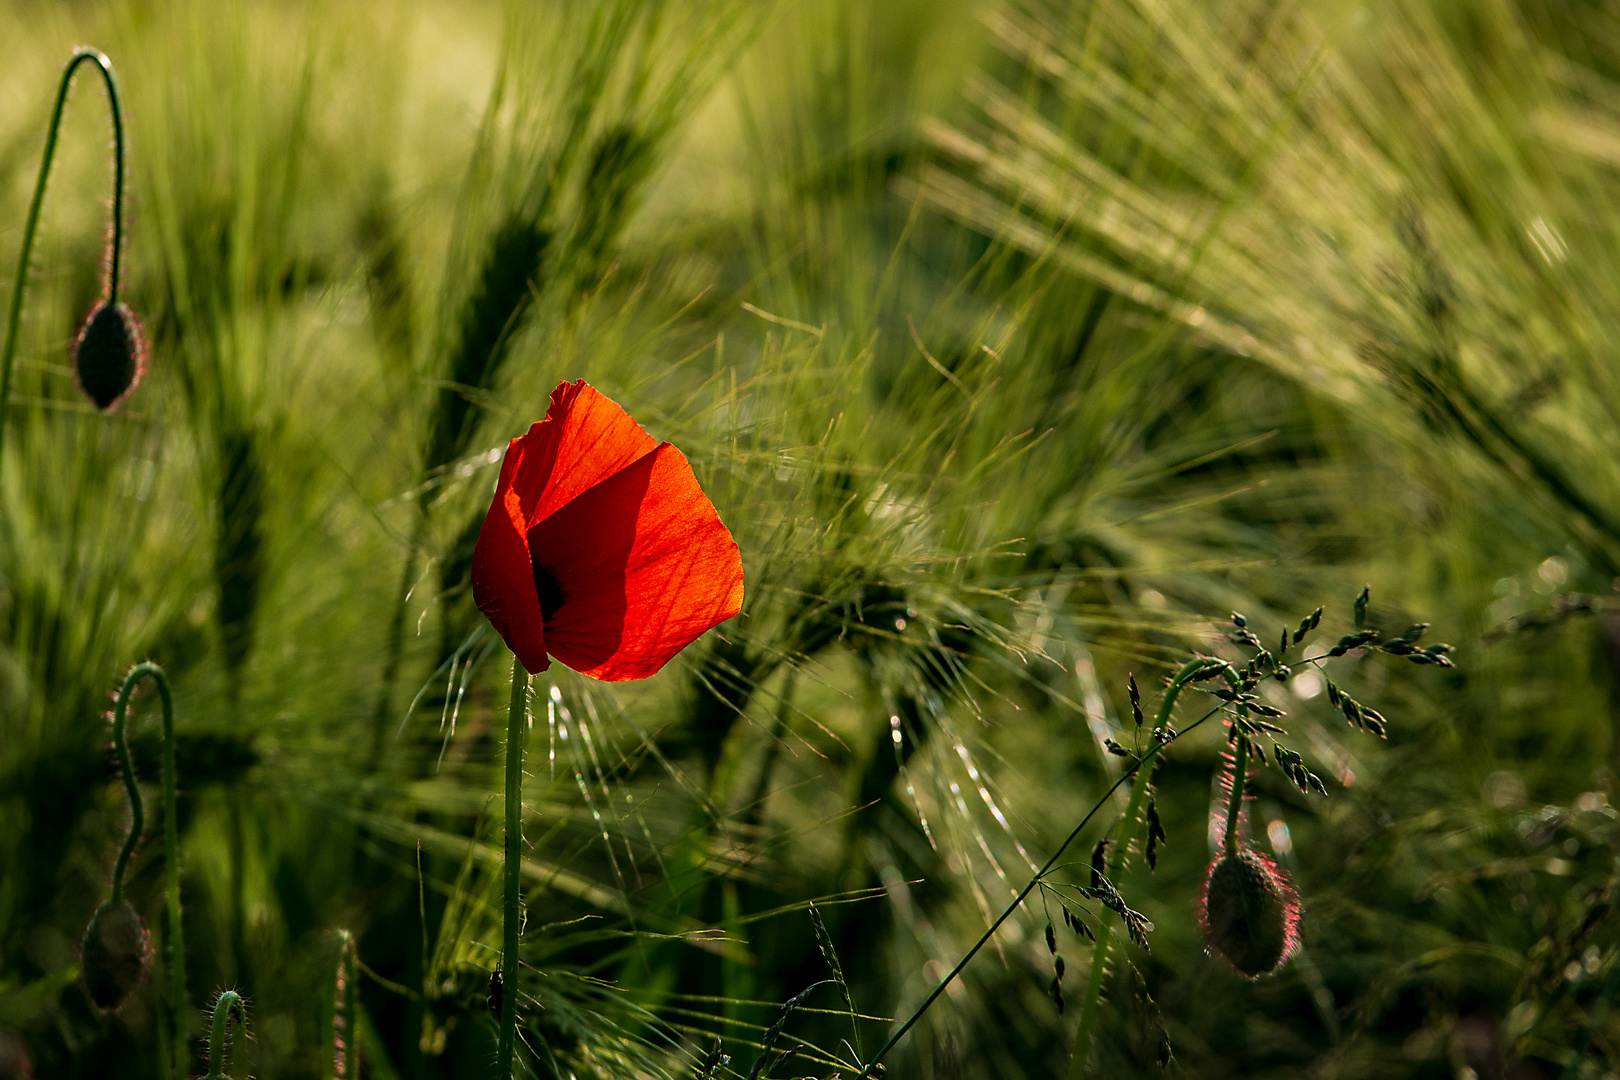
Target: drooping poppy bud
(1249, 913)
(110, 354)
(600, 549)
(115, 954)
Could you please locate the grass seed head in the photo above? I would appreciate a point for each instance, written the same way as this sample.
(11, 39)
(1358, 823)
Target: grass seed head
(115, 955)
(110, 355)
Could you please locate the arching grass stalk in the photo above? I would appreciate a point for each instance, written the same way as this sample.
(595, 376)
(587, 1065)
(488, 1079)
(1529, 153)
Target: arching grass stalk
(1143, 770)
(171, 841)
(1118, 857)
(104, 66)
(512, 909)
(228, 1003)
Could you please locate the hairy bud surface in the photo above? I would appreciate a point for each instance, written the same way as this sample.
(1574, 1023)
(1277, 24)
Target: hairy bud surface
(1249, 913)
(115, 954)
(110, 355)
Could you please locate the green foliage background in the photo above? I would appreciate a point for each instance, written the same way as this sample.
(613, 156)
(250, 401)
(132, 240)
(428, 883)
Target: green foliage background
(1016, 342)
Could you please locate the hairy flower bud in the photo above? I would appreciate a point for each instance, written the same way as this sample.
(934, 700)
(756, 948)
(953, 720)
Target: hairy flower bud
(115, 954)
(1249, 913)
(110, 355)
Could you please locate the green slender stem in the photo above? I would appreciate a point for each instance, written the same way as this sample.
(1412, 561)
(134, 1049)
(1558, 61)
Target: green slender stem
(1234, 807)
(1118, 857)
(1240, 771)
(1192, 667)
(219, 1036)
(516, 724)
(31, 227)
(171, 840)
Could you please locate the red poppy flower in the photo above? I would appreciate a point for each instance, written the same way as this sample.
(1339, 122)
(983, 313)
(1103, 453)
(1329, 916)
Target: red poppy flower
(600, 548)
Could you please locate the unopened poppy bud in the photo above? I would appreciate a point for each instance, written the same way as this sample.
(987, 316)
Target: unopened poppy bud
(1249, 913)
(115, 954)
(110, 355)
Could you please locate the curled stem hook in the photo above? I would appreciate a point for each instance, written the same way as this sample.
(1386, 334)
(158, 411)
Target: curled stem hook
(18, 285)
(171, 838)
(219, 1036)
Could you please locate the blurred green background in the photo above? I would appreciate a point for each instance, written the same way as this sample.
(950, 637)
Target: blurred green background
(1017, 343)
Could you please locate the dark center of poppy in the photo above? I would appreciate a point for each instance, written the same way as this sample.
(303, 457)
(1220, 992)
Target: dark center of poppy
(549, 589)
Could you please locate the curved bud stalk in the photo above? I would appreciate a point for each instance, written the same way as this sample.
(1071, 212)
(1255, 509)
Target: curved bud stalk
(110, 353)
(220, 1040)
(116, 950)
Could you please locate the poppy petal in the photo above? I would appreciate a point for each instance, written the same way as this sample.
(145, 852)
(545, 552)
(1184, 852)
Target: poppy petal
(503, 570)
(584, 439)
(644, 565)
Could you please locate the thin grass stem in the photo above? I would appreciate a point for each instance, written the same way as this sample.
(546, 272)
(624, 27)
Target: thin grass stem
(1190, 668)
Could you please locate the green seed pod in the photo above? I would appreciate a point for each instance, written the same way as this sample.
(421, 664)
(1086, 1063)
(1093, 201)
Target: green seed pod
(110, 355)
(115, 954)
(1249, 913)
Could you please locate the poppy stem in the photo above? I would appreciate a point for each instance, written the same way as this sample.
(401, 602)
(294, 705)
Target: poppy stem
(516, 726)
(137, 810)
(171, 839)
(344, 1044)
(1234, 808)
(104, 66)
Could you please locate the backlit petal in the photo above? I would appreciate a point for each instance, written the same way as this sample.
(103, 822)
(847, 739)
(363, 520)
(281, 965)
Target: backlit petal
(645, 566)
(584, 439)
(503, 572)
